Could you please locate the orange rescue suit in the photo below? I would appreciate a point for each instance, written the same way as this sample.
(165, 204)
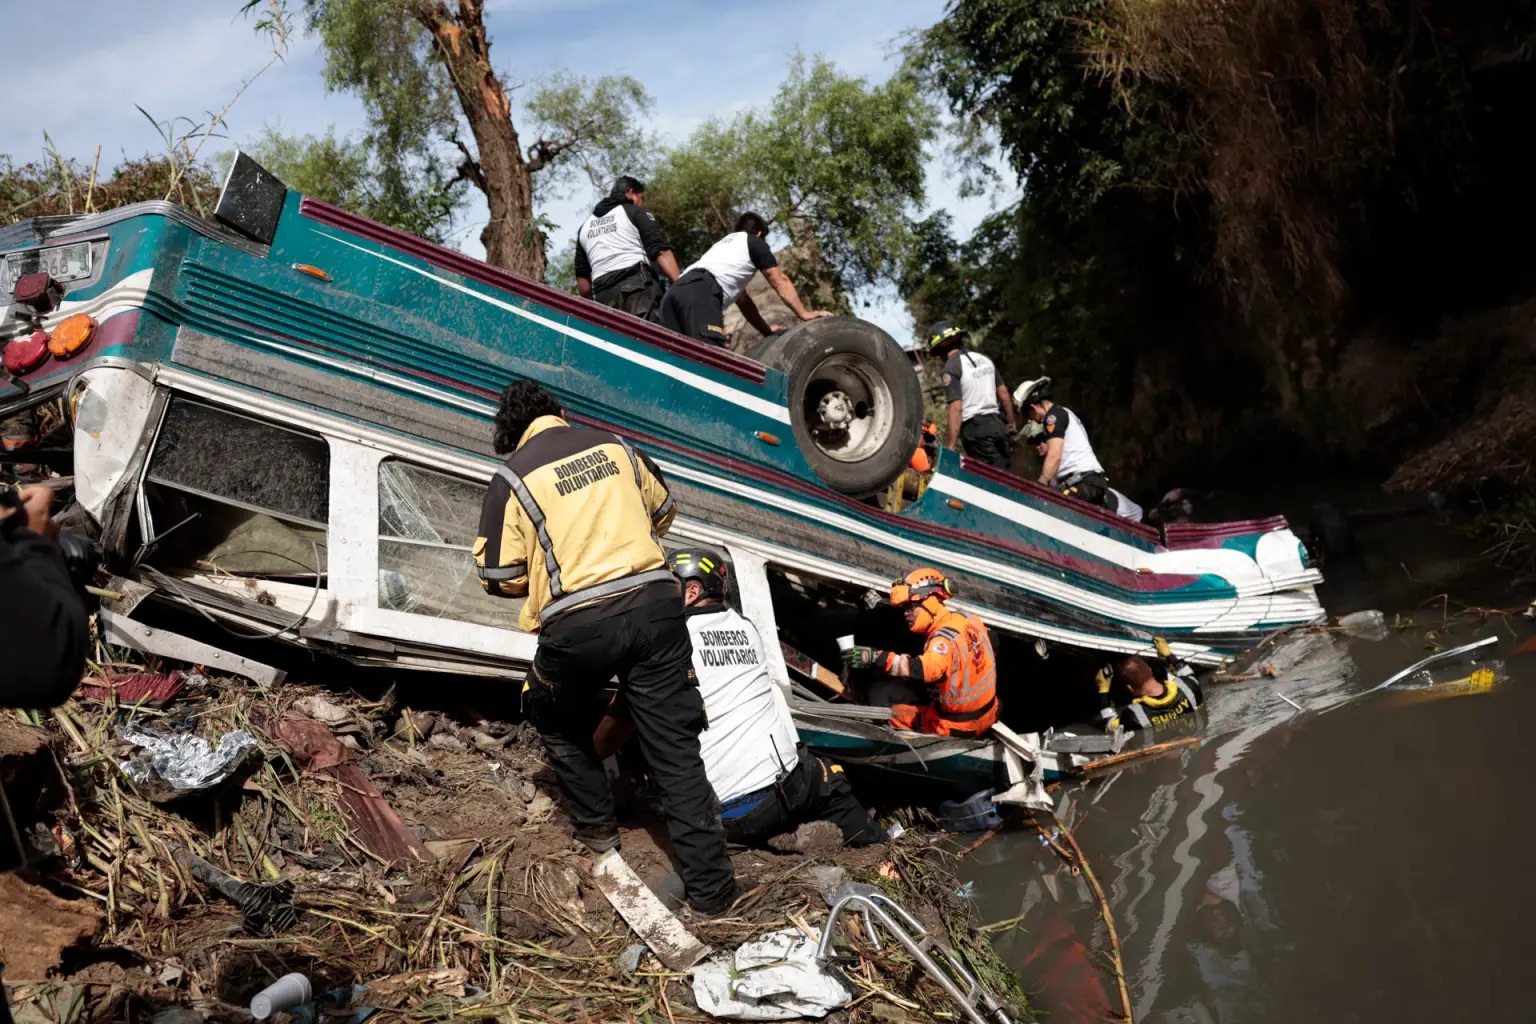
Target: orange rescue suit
(959, 668)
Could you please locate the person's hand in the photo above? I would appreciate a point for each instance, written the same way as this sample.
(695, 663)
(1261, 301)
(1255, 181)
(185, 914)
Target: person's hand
(36, 503)
(816, 314)
(859, 657)
(1103, 679)
(1163, 650)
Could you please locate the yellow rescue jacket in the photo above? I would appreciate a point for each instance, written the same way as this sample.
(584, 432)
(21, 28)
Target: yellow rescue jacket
(572, 518)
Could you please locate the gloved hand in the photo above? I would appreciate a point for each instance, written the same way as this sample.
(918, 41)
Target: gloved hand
(1103, 679)
(1163, 650)
(859, 657)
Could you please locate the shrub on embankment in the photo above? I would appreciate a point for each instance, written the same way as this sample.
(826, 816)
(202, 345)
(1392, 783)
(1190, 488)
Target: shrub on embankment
(1255, 230)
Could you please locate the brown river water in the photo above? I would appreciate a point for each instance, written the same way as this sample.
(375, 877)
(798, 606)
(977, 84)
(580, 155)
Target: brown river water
(1361, 860)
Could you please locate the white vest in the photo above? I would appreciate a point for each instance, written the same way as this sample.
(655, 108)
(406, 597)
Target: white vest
(611, 242)
(751, 738)
(1076, 453)
(729, 263)
(978, 385)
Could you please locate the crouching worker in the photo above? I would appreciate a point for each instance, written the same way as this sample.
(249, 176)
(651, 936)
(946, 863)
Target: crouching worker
(957, 665)
(1153, 701)
(43, 627)
(766, 783)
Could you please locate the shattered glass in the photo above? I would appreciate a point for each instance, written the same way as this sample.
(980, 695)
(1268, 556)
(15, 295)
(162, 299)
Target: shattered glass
(224, 455)
(427, 522)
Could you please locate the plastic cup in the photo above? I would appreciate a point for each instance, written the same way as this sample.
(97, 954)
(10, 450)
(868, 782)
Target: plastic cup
(286, 993)
(845, 643)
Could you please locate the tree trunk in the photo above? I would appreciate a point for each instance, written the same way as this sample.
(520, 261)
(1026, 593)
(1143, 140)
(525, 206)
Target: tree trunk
(512, 238)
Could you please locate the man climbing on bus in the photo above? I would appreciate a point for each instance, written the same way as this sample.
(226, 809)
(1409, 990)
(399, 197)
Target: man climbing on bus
(1071, 466)
(1155, 698)
(619, 250)
(570, 524)
(981, 411)
(767, 784)
(957, 665)
(695, 304)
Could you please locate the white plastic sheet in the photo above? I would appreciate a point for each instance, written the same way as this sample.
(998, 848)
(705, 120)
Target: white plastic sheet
(775, 977)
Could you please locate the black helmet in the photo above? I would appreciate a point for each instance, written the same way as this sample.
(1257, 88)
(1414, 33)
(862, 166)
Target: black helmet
(943, 334)
(702, 564)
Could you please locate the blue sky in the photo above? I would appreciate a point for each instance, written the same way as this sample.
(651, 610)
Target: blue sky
(185, 57)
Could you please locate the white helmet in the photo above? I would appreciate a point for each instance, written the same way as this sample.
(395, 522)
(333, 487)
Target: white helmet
(1022, 393)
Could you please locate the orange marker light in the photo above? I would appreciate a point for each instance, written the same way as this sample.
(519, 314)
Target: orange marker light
(71, 335)
(767, 438)
(312, 271)
(956, 504)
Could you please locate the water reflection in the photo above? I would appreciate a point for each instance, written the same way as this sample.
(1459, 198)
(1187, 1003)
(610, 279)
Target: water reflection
(1246, 874)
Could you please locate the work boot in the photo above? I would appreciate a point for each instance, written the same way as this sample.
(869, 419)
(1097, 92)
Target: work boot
(597, 838)
(714, 911)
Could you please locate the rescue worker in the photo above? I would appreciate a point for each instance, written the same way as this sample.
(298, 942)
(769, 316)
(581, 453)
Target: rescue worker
(767, 784)
(43, 620)
(570, 523)
(616, 248)
(957, 665)
(695, 304)
(975, 396)
(1122, 505)
(1153, 701)
(1070, 466)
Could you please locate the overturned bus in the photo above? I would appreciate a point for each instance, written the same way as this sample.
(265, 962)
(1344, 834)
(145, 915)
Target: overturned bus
(281, 418)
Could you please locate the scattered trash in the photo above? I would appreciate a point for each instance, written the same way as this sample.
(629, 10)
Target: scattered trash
(315, 856)
(265, 907)
(976, 813)
(776, 977)
(285, 993)
(1366, 625)
(628, 962)
(673, 945)
(967, 891)
(382, 832)
(896, 831)
(1288, 700)
(978, 1004)
(147, 689)
(186, 763)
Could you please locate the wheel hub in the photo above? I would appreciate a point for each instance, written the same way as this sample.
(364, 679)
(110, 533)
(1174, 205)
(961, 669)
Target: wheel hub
(836, 410)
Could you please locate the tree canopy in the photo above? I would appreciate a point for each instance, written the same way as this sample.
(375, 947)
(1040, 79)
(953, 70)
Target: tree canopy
(440, 115)
(834, 161)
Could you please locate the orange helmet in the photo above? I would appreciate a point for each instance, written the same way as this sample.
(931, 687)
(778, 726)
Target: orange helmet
(926, 588)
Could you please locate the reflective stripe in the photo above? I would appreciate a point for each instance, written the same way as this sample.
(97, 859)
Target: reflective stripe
(1140, 714)
(506, 572)
(535, 516)
(634, 464)
(599, 591)
(969, 716)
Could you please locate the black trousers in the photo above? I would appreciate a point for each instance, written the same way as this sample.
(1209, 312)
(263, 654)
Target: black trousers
(1090, 487)
(986, 439)
(815, 790)
(695, 306)
(637, 291)
(648, 648)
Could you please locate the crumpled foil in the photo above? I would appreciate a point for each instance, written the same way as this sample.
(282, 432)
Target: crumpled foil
(184, 761)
